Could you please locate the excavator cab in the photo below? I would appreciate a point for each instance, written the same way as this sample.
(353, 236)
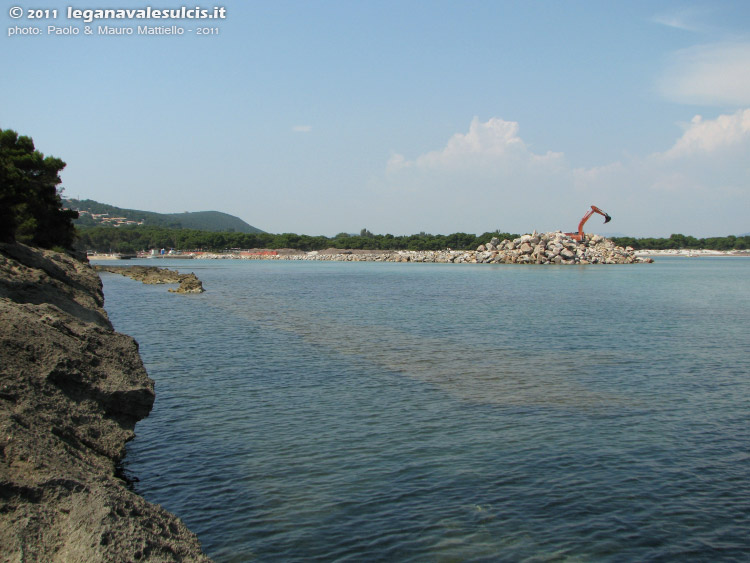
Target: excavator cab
(594, 209)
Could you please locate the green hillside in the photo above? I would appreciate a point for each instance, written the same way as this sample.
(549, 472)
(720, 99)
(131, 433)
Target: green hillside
(95, 214)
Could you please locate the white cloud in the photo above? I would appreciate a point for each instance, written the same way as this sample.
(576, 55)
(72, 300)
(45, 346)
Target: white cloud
(489, 178)
(495, 142)
(479, 180)
(711, 158)
(699, 186)
(711, 155)
(302, 128)
(688, 19)
(709, 136)
(715, 74)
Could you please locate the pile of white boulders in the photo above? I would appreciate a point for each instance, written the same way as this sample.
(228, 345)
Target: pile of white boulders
(536, 248)
(556, 248)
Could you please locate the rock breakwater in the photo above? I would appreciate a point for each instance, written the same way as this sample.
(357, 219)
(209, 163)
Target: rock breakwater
(556, 248)
(71, 392)
(189, 283)
(534, 248)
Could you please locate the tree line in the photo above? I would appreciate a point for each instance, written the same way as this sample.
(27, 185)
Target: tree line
(130, 239)
(678, 241)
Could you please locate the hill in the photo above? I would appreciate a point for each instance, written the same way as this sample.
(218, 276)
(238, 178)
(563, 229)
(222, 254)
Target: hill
(92, 214)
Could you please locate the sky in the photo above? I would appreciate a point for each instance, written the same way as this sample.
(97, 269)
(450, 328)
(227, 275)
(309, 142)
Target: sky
(326, 116)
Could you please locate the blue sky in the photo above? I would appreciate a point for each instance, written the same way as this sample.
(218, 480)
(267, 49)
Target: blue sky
(325, 116)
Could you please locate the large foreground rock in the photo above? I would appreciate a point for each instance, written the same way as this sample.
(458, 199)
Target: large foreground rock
(71, 391)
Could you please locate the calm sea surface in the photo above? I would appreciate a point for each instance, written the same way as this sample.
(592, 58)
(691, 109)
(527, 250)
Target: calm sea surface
(424, 412)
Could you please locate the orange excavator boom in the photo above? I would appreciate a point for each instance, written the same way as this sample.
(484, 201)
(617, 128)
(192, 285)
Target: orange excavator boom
(594, 209)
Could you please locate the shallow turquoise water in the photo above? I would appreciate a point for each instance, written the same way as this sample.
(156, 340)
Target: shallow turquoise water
(424, 412)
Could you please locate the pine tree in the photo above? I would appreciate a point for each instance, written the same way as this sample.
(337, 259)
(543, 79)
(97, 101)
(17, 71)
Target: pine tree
(30, 206)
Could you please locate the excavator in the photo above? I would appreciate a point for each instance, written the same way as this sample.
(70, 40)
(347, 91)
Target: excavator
(594, 209)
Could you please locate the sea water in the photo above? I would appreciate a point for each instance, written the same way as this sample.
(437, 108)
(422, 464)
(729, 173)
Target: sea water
(436, 412)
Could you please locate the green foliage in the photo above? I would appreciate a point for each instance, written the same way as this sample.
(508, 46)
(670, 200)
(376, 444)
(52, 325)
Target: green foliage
(31, 209)
(133, 238)
(679, 241)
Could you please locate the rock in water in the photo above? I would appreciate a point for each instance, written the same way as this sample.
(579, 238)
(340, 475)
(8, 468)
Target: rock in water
(189, 283)
(71, 391)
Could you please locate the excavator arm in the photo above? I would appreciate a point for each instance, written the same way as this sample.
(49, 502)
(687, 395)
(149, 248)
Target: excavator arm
(589, 213)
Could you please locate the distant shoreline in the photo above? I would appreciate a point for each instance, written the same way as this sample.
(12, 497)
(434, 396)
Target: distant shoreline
(362, 255)
(693, 253)
(536, 248)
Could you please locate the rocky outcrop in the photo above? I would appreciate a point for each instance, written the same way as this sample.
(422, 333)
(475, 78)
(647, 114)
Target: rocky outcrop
(189, 283)
(71, 392)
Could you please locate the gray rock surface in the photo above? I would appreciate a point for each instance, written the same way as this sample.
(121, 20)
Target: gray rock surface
(71, 391)
(189, 283)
